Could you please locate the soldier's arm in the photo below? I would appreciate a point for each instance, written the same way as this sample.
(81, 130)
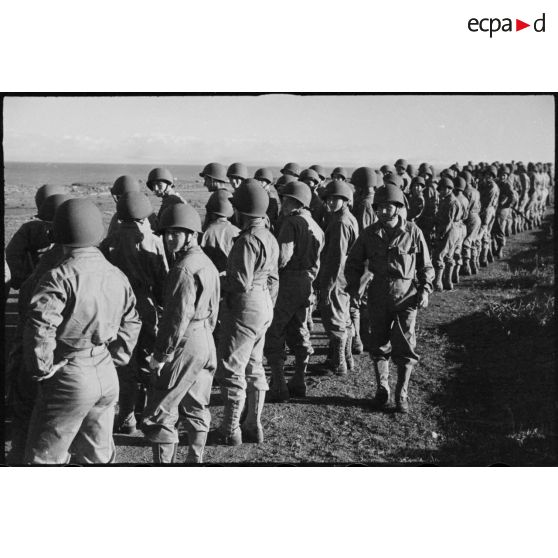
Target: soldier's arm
(128, 332)
(17, 256)
(286, 241)
(338, 246)
(161, 270)
(178, 312)
(273, 277)
(425, 270)
(354, 266)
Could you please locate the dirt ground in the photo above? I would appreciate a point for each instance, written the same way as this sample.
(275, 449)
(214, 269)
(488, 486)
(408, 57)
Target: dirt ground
(482, 394)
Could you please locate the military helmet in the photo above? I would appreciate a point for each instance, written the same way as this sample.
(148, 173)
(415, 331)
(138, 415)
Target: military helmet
(50, 205)
(180, 216)
(78, 223)
(238, 170)
(124, 184)
(320, 170)
(293, 168)
(455, 167)
(298, 190)
(250, 199)
(445, 182)
(341, 172)
(340, 189)
(387, 169)
(459, 183)
(426, 168)
(282, 181)
(411, 170)
(394, 180)
(467, 176)
(159, 174)
(365, 178)
(389, 194)
(418, 180)
(44, 192)
(133, 205)
(401, 163)
(492, 171)
(219, 203)
(216, 171)
(264, 174)
(309, 174)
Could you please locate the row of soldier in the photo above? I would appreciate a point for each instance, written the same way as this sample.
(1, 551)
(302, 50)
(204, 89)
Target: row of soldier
(257, 284)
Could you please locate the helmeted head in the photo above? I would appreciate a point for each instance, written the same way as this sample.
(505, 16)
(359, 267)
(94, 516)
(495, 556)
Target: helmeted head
(491, 171)
(400, 166)
(50, 205)
(291, 168)
(393, 180)
(388, 202)
(310, 177)
(336, 193)
(160, 181)
(417, 184)
(214, 176)
(133, 206)
(411, 170)
(387, 169)
(236, 173)
(180, 223)
(459, 184)
(364, 179)
(44, 192)
(124, 184)
(250, 199)
(425, 169)
(264, 176)
(219, 203)
(445, 185)
(299, 191)
(78, 223)
(320, 170)
(467, 176)
(339, 173)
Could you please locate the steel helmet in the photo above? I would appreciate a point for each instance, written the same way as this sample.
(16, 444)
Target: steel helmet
(492, 171)
(293, 168)
(365, 178)
(250, 199)
(340, 171)
(50, 205)
(180, 216)
(394, 180)
(264, 174)
(238, 170)
(505, 169)
(133, 205)
(459, 183)
(320, 170)
(389, 194)
(455, 167)
(401, 163)
(124, 184)
(299, 191)
(44, 192)
(426, 169)
(445, 182)
(219, 203)
(78, 223)
(418, 180)
(411, 170)
(282, 181)
(387, 169)
(467, 176)
(159, 174)
(309, 174)
(340, 189)
(215, 171)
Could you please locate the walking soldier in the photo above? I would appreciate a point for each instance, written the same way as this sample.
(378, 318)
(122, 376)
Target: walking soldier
(470, 252)
(161, 182)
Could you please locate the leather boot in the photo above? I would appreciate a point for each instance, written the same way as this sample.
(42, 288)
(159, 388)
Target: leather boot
(278, 391)
(164, 453)
(455, 275)
(474, 263)
(297, 384)
(196, 445)
(339, 363)
(447, 278)
(498, 252)
(483, 260)
(438, 286)
(232, 410)
(381, 370)
(401, 390)
(356, 345)
(349, 350)
(466, 268)
(252, 430)
(489, 255)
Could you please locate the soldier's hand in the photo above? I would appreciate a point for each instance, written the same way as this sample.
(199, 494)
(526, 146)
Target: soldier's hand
(156, 366)
(422, 299)
(53, 370)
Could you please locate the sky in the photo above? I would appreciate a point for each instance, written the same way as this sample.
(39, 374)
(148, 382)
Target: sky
(273, 129)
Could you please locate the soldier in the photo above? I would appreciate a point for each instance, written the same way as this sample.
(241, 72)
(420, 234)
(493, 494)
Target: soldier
(317, 207)
(448, 218)
(140, 255)
(507, 199)
(470, 252)
(322, 175)
(30, 241)
(339, 173)
(396, 253)
(184, 356)
(265, 178)
(81, 322)
(340, 235)
(387, 170)
(300, 243)
(161, 182)
(122, 185)
(412, 171)
(523, 195)
(401, 169)
(427, 219)
(249, 290)
(291, 169)
(236, 173)
(489, 194)
(458, 190)
(215, 178)
(416, 198)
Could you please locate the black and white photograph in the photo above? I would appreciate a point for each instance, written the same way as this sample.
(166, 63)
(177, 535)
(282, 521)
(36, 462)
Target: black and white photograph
(279, 279)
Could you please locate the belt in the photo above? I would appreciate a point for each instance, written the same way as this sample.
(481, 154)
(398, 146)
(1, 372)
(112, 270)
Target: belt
(258, 288)
(67, 351)
(197, 324)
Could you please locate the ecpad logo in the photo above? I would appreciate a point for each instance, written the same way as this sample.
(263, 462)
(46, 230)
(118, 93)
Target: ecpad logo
(494, 24)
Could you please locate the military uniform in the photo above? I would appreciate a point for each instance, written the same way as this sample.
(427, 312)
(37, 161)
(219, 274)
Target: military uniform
(470, 250)
(489, 195)
(217, 241)
(82, 311)
(427, 219)
(502, 225)
(462, 230)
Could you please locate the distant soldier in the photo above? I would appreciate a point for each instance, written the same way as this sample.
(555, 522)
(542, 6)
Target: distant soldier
(396, 254)
(401, 169)
(427, 219)
(448, 230)
(339, 173)
(412, 171)
(81, 322)
(523, 194)
(507, 199)
(416, 199)
(387, 170)
(300, 243)
(140, 255)
(322, 175)
(459, 185)
(30, 241)
(184, 356)
(470, 251)
(265, 178)
(236, 173)
(249, 291)
(161, 182)
(489, 195)
(215, 178)
(317, 208)
(122, 185)
(334, 303)
(291, 169)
